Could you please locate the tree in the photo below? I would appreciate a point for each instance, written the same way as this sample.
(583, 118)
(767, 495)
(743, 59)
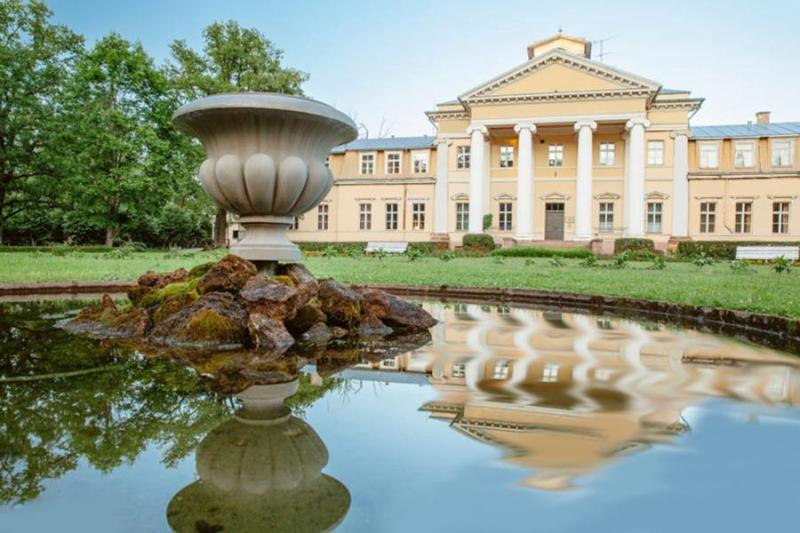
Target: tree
(234, 59)
(35, 59)
(126, 154)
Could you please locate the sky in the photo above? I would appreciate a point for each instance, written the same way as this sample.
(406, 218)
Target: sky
(387, 62)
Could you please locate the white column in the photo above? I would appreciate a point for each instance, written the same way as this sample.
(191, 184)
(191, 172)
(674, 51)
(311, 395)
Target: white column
(440, 189)
(680, 184)
(524, 214)
(634, 201)
(476, 178)
(583, 185)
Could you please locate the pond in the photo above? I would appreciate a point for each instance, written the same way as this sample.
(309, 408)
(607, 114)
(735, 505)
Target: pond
(512, 419)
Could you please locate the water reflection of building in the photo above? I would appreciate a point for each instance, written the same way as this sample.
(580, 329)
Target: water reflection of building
(563, 394)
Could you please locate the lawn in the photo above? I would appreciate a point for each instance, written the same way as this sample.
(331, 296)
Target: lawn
(758, 289)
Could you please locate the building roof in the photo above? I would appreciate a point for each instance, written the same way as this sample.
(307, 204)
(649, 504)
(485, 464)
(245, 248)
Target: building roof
(386, 143)
(746, 130)
(673, 91)
(450, 102)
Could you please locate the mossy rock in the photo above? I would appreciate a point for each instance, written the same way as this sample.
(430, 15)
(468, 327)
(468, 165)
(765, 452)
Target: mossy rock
(173, 289)
(208, 325)
(199, 270)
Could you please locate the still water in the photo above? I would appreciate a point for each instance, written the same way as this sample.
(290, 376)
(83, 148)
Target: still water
(510, 420)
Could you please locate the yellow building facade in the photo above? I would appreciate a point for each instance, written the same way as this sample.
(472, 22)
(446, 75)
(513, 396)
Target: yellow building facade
(564, 148)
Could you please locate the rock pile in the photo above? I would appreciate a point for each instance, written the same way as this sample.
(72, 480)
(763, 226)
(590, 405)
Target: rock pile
(228, 306)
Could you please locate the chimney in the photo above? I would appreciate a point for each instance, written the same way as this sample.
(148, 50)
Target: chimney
(762, 117)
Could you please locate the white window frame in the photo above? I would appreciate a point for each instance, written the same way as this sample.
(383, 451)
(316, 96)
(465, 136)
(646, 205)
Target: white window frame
(743, 218)
(655, 217)
(550, 372)
(463, 157)
(606, 217)
(501, 369)
(704, 149)
(399, 163)
(364, 216)
(555, 155)
(708, 217)
(459, 369)
(505, 218)
(361, 157)
(506, 156)
(780, 217)
(608, 154)
(420, 156)
(744, 147)
(418, 216)
(295, 224)
(788, 148)
(655, 153)
(323, 217)
(462, 216)
(392, 216)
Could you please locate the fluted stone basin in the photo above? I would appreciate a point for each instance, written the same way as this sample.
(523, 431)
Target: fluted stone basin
(266, 161)
(261, 471)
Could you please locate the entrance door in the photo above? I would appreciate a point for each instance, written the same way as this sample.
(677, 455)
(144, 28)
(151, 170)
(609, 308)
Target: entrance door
(554, 221)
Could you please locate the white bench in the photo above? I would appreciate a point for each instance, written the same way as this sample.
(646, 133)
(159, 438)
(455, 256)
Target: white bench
(388, 247)
(763, 253)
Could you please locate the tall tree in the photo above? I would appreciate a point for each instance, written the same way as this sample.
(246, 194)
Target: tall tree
(35, 59)
(123, 144)
(233, 59)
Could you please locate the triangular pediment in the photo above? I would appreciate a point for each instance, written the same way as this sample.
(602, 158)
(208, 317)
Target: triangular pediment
(560, 74)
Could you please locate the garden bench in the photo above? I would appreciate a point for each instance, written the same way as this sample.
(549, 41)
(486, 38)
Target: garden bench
(388, 247)
(764, 253)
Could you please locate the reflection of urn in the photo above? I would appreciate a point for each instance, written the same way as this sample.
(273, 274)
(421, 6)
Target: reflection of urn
(261, 471)
(266, 161)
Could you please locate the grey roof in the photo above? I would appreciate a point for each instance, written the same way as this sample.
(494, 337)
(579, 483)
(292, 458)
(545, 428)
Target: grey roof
(746, 130)
(449, 102)
(672, 91)
(386, 143)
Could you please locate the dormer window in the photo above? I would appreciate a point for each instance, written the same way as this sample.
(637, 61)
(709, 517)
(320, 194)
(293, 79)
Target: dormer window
(709, 154)
(744, 154)
(393, 162)
(367, 163)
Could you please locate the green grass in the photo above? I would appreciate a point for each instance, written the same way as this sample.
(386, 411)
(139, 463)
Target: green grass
(759, 289)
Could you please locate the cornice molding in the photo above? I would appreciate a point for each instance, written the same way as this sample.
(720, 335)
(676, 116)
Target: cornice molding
(607, 196)
(606, 94)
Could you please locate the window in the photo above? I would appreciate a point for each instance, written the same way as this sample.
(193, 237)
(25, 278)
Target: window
(709, 155)
(606, 217)
(420, 162)
(501, 370)
(654, 213)
(322, 217)
(708, 217)
(550, 373)
(462, 216)
(392, 216)
(506, 156)
(505, 216)
(367, 163)
(417, 216)
(607, 154)
(462, 157)
(295, 223)
(743, 154)
(555, 155)
(393, 162)
(459, 370)
(603, 374)
(744, 212)
(388, 363)
(781, 153)
(365, 216)
(655, 152)
(780, 217)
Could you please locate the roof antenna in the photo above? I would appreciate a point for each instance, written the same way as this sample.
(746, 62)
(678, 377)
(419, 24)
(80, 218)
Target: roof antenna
(560, 31)
(601, 42)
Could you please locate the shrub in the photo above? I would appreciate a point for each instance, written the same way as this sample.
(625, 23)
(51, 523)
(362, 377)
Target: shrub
(658, 263)
(329, 251)
(781, 265)
(339, 248)
(634, 245)
(379, 254)
(533, 251)
(557, 261)
(737, 265)
(413, 254)
(589, 261)
(529, 262)
(725, 250)
(498, 259)
(702, 260)
(478, 240)
(620, 260)
(640, 255)
(447, 256)
(487, 221)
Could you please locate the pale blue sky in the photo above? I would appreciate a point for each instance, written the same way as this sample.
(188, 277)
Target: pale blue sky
(377, 59)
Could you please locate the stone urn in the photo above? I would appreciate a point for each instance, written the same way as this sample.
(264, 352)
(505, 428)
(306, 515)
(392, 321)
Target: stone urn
(261, 471)
(266, 162)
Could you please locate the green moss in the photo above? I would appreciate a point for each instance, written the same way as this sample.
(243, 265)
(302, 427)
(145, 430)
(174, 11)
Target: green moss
(199, 270)
(173, 289)
(284, 280)
(209, 325)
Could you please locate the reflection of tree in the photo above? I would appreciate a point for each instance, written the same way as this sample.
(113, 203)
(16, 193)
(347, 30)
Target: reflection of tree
(106, 418)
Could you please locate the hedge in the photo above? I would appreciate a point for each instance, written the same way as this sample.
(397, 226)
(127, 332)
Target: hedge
(633, 245)
(725, 250)
(478, 240)
(56, 248)
(348, 248)
(533, 251)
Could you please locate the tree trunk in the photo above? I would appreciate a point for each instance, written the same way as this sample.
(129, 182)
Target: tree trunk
(2, 225)
(221, 228)
(110, 234)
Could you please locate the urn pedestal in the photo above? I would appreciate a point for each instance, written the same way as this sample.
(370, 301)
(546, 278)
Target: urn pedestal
(265, 162)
